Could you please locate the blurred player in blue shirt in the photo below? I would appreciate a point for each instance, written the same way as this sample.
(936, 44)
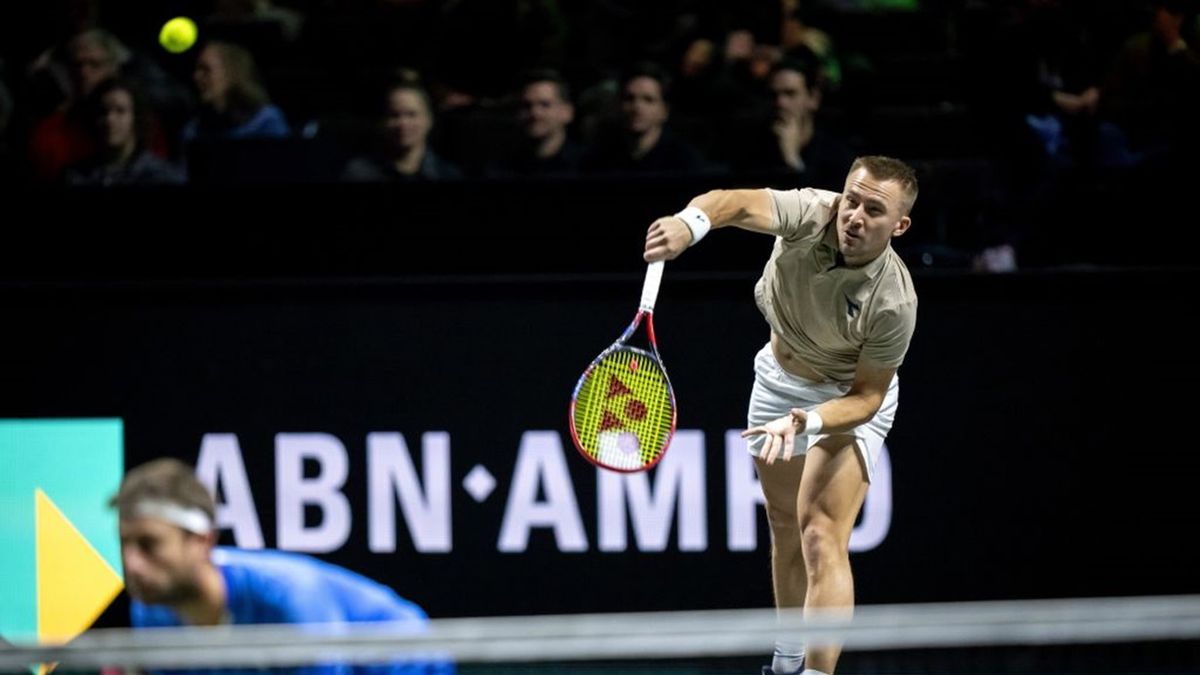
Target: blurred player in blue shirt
(176, 575)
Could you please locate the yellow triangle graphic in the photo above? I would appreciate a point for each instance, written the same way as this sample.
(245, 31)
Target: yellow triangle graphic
(74, 582)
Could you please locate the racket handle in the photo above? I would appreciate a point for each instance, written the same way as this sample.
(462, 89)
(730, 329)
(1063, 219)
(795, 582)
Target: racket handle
(654, 273)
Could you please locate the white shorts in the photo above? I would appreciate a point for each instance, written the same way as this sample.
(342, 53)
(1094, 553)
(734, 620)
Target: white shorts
(777, 391)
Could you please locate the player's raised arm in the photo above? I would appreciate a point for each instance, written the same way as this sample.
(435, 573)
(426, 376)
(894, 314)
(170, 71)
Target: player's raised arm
(747, 209)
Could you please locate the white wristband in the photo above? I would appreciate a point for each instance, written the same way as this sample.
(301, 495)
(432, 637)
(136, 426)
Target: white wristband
(697, 221)
(813, 423)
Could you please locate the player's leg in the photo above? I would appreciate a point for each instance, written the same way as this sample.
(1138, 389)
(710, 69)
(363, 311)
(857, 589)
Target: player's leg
(832, 491)
(775, 393)
(780, 484)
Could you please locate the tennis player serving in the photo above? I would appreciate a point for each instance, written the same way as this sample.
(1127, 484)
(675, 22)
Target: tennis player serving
(842, 308)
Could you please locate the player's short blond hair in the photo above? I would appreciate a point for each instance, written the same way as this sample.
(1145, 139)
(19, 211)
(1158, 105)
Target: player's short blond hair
(887, 168)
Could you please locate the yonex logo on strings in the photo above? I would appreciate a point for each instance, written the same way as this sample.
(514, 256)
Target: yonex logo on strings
(633, 408)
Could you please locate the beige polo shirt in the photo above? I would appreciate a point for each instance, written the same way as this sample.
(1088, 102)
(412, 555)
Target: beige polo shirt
(827, 314)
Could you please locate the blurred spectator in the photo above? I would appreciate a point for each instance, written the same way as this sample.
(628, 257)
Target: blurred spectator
(797, 33)
(545, 115)
(725, 82)
(48, 81)
(120, 125)
(403, 152)
(1152, 92)
(233, 101)
(792, 140)
(62, 138)
(728, 80)
(1050, 84)
(62, 76)
(642, 143)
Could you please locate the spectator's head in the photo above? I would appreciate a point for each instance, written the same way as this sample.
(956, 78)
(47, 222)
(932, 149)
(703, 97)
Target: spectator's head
(739, 45)
(874, 207)
(407, 117)
(546, 109)
(167, 534)
(795, 85)
(697, 59)
(95, 55)
(1169, 18)
(227, 79)
(645, 93)
(121, 116)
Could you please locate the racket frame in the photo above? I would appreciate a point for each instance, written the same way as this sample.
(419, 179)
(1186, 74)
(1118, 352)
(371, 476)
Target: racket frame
(642, 314)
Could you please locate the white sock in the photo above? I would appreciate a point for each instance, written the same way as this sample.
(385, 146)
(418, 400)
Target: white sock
(788, 659)
(810, 671)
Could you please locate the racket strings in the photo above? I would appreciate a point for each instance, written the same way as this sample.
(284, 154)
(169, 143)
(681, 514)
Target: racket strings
(624, 410)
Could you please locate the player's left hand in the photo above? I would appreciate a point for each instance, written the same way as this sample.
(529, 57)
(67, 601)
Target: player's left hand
(780, 435)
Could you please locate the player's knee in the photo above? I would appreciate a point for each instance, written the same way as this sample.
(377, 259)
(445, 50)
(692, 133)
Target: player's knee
(820, 544)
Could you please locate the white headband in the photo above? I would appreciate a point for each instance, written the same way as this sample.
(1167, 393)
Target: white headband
(190, 518)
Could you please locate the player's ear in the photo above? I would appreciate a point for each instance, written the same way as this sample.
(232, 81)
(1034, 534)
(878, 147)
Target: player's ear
(902, 226)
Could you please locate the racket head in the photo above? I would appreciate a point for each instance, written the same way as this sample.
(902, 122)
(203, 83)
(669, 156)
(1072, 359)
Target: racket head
(623, 410)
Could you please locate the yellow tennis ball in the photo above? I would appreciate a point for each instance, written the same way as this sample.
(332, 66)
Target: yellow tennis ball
(178, 35)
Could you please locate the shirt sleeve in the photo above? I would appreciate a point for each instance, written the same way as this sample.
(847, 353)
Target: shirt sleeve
(799, 213)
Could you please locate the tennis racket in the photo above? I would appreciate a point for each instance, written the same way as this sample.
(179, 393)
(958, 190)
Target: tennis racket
(623, 407)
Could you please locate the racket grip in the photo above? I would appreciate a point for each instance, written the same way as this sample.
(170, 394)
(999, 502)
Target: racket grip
(654, 273)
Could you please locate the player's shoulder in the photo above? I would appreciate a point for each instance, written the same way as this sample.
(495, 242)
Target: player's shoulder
(271, 586)
(265, 561)
(268, 572)
(804, 197)
(896, 283)
(800, 212)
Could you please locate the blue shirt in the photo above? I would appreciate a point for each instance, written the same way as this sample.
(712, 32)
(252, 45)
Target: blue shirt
(275, 587)
(268, 122)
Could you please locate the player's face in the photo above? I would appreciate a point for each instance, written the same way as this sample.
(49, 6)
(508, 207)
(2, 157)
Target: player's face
(643, 105)
(408, 120)
(870, 213)
(162, 561)
(543, 113)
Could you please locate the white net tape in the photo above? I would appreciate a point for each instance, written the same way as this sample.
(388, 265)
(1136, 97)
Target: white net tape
(629, 636)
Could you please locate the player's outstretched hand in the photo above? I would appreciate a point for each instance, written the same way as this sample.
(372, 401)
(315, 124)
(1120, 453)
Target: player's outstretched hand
(780, 435)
